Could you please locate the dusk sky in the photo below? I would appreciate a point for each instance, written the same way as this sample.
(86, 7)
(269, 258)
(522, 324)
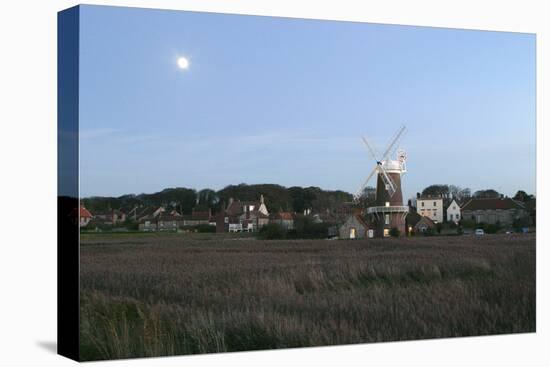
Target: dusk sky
(286, 101)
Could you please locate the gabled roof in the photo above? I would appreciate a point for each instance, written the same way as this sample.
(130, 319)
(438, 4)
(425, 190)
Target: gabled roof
(283, 216)
(359, 218)
(85, 213)
(425, 220)
(454, 201)
(413, 218)
(492, 204)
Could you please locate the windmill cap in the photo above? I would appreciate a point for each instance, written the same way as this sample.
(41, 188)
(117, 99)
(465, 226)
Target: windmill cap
(391, 165)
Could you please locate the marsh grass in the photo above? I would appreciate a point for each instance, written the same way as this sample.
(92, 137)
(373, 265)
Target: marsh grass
(169, 295)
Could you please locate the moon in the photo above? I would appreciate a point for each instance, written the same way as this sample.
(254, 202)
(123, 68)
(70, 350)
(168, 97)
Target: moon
(183, 63)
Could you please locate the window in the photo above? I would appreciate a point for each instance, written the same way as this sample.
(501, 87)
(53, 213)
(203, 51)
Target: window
(387, 203)
(386, 232)
(435, 213)
(387, 219)
(454, 207)
(422, 203)
(435, 203)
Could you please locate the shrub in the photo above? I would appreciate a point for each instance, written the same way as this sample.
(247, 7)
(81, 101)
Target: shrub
(394, 232)
(205, 228)
(272, 231)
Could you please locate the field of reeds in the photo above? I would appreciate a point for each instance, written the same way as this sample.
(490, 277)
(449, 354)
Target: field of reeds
(169, 294)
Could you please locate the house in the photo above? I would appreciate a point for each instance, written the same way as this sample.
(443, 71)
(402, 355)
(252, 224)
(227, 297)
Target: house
(494, 210)
(411, 220)
(111, 217)
(84, 216)
(431, 207)
(453, 212)
(168, 222)
(356, 226)
(161, 222)
(147, 224)
(284, 219)
(197, 217)
(425, 224)
(149, 212)
(241, 216)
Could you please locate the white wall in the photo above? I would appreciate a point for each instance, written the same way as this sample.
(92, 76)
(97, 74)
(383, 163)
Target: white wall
(431, 208)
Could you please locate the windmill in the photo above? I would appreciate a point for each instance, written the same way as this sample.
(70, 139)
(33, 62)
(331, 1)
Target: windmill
(389, 211)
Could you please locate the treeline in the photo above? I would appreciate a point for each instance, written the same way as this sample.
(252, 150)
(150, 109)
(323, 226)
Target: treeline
(277, 198)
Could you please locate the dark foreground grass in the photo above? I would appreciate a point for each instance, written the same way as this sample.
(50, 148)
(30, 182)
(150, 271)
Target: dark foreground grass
(166, 295)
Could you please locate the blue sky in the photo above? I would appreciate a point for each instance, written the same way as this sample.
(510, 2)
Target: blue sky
(286, 101)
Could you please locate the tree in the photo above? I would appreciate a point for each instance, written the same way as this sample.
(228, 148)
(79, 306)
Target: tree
(368, 197)
(207, 198)
(487, 194)
(523, 196)
(436, 190)
(301, 198)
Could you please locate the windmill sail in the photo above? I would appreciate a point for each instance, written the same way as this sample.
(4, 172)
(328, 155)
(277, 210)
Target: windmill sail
(390, 185)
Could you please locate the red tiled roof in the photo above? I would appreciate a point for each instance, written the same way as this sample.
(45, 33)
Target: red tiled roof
(285, 215)
(492, 204)
(84, 213)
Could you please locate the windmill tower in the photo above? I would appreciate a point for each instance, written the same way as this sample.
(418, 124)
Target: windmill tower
(388, 211)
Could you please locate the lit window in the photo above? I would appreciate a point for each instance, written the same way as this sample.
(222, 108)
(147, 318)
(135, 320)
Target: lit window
(387, 203)
(387, 219)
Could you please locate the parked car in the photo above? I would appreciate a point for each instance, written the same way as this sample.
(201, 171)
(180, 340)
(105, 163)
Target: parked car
(479, 232)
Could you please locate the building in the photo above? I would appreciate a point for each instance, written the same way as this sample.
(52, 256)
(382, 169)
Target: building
(389, 211)
(431, 207)
(453, 212)
(495, 210)
(356, 226)
(84, 216)
(243, 216)
(284, 219)
(168, 222)
(111, 217)
(425, 224)
(198, 217)
(149, 212)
